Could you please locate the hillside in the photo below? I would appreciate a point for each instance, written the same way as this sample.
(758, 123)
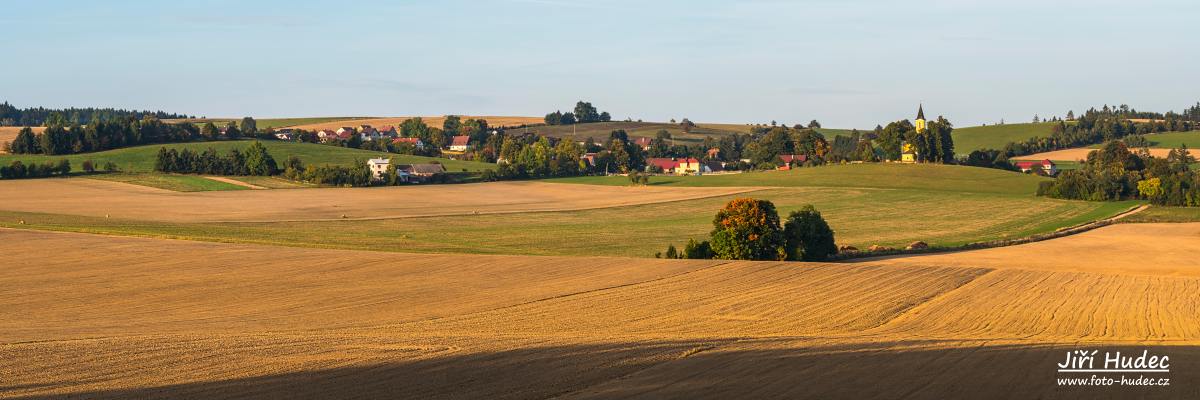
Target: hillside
(868, 175)
(151, 318)
(265, 122)
(888, 204)
(996, 136)
(141, 158)
(1169, 140)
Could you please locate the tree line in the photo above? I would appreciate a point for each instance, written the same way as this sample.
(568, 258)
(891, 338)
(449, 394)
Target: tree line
(254, 160)
(41, 116)
(584, 113)
(1093, 127)
(1115, 173)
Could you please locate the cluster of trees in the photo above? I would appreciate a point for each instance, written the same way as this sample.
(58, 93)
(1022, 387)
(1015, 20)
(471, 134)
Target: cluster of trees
(357, 174)
(1115, 173)
(39, 116)
(584, 113)
(532, 156)
(750, 229)
(18, 170)
(933, 145)
(1099, 126)
(255, 160)
(100, 135)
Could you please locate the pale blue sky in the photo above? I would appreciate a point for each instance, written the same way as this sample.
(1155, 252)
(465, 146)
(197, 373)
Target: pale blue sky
(845, 63)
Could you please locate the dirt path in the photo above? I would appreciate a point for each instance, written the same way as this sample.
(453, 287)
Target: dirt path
(234, 182)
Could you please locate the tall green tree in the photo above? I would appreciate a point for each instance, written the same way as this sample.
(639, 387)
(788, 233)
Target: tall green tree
(808, 236)
(249, 126)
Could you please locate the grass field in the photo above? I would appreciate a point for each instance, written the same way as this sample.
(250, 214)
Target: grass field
(869, 175)
(972, 138)
(601, 130)
(1168, 140)
(1166, 214)
(141, 158)
(885, 204)
(265, 123)
(177, 183)
(432, 121)
(156, 318)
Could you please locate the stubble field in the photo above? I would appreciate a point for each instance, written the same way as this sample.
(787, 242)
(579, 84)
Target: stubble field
(108, 317)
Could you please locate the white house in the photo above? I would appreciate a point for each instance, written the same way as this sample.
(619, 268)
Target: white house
(460, 143)
(378, 166)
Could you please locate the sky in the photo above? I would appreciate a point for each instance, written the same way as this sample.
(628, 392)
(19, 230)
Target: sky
(848, 64)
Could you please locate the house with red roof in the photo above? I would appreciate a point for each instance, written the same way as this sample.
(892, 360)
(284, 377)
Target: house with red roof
(679, 166)
(643, 142)
(415, 142)
(460, 143)
(326, 135)
(1046, 166)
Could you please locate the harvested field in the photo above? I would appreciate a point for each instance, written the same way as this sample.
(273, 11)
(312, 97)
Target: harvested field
(108, 317)
(1115, 249)
(432, 121)
(90, 197)
(1078, 154)
(8, 133)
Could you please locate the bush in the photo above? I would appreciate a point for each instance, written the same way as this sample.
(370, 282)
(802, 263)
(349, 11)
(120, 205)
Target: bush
(109, 166)
(88, 166)
(808, 236)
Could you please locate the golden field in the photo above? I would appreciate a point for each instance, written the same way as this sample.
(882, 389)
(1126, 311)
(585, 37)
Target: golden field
(1078, 154)
(97, 198)
(432, 121)
(8, 133)
(111, 317)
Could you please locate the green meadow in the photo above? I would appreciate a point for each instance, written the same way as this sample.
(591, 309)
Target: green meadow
(972, 138)
(886, 204)
(141, 158)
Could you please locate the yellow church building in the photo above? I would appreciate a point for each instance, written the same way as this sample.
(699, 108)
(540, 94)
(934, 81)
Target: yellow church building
(908, 154)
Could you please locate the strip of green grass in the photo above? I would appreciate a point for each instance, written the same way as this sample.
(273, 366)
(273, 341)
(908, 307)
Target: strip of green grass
(869, 175)
(141, 158)
(178, 183)
(972, 138)
(1165, 214)
(860, 217)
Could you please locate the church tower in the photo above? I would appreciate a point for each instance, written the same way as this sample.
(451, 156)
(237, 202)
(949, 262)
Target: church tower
(919, 124)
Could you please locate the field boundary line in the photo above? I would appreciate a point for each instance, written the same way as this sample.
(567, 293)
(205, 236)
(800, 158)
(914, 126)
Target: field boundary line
(507, 212)
(564, 295)
(868, 256)
(927, 303)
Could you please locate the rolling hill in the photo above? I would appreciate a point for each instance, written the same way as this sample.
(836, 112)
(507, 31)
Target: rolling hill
(996, 136)
(141, 158)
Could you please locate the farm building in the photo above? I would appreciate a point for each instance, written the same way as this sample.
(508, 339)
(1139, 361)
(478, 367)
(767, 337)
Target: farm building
(378, 166)
(643, 142)
(418, 172)
(326, 135)
(285, 134)
(415, 142)
(1046, 166)
(460, 143)
(679, 166)
(789, 159)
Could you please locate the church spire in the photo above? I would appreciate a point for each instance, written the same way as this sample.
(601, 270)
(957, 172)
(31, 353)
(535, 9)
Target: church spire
(921, 111)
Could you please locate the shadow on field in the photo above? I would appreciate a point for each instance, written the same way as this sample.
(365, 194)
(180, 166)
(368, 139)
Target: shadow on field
(768, 368)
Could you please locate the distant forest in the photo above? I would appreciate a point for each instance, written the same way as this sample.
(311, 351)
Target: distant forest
(41, 116)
